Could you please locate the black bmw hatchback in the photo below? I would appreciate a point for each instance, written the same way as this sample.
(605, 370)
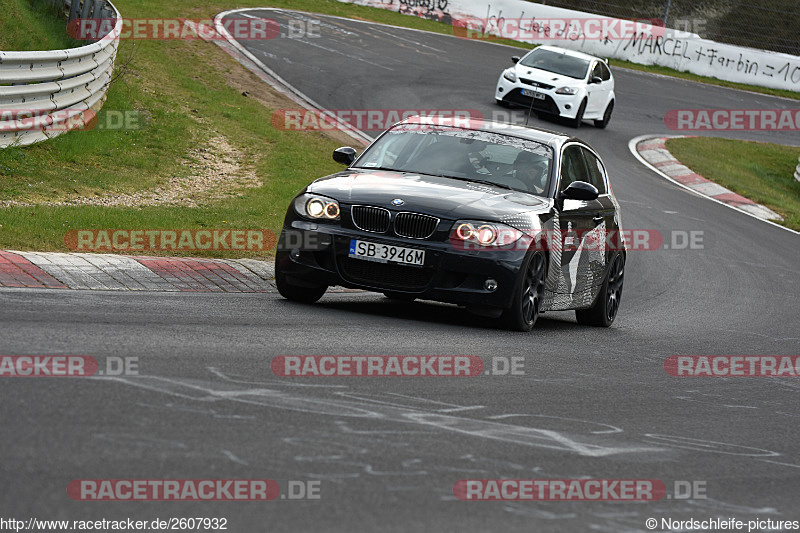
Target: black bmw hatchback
(507, 220)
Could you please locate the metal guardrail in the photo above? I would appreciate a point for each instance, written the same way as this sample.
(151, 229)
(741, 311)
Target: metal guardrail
(797, 171)
(44, 94)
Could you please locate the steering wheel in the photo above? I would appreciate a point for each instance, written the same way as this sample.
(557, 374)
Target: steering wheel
(479, 164)
(512, 181)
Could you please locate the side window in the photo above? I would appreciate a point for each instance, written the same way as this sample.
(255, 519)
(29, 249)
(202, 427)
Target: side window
(606, 74)
(597, 70)
(572, 167)
(596, 172)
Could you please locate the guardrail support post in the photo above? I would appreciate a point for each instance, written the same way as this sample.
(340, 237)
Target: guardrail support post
(86, 8)
(97, 8)
(73, 9)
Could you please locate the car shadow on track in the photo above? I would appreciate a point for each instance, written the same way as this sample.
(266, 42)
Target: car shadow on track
(438, 313)
(549, 122)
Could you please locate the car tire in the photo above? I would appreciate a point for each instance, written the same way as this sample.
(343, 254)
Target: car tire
(297, 293)
(528, 294)
(576, 122)
(606, 116)
(606, 305)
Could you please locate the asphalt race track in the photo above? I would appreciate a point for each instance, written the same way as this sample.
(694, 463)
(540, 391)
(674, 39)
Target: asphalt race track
(592, 403)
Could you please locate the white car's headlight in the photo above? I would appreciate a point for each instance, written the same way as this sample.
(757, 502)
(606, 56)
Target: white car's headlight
(316, 207)
(567, 90)
(510, 75)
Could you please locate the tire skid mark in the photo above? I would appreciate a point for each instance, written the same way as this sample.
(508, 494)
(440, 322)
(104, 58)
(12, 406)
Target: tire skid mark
(206, 391)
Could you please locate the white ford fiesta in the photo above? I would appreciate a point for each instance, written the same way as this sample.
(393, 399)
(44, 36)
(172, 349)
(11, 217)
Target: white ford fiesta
(555, 81)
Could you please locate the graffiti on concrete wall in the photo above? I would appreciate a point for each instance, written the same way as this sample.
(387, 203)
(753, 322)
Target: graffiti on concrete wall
(638, 41)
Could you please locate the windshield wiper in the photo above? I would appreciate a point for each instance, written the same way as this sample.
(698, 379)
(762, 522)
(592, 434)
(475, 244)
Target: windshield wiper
(483, 182)
(380, 168)
(487, 182)
(464, 178)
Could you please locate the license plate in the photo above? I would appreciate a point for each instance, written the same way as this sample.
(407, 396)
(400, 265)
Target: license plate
(533, 94)
(384, 253)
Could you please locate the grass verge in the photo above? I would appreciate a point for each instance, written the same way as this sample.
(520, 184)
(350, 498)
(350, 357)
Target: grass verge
(183, 112)
(189, 99)
(761, 172)
(32, 25)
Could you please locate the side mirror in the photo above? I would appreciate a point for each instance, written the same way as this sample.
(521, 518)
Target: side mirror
(344, 155)
(580, 190)
(596, 79)
(515, 59)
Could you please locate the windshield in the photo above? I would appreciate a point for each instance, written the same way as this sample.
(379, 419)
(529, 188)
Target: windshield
(477, 156)
(556, 62)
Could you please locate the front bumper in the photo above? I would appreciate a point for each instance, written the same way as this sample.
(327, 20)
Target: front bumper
(565, 105)
(317, 254)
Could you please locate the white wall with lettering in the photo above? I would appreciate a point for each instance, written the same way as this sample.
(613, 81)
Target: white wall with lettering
(602, 36)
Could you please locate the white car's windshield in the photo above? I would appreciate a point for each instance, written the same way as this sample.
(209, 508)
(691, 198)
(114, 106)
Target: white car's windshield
(556, 62)
(476, 156)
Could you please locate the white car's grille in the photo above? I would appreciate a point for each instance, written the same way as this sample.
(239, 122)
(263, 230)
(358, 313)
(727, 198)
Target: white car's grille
(536, 84)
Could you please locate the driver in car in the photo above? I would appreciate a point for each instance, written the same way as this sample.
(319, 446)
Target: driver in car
(528, 173)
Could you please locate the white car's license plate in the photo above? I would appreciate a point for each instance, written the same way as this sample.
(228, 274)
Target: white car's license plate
(533, 94)
(384, 253)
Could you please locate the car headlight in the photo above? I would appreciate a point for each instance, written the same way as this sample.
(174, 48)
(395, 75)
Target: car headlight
(567, 90)
(316, 207)
(485, 233)
(510, 75)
